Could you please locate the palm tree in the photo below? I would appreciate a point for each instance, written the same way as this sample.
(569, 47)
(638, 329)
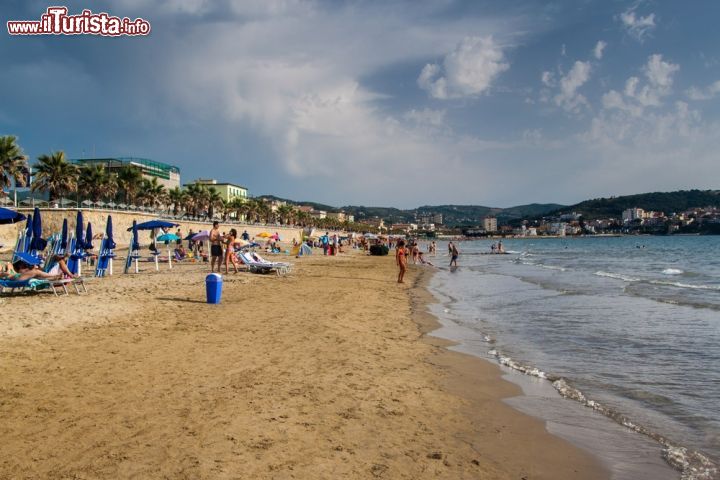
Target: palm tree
(13, 163)
(96, 183)
(286, 213)
(54, 174)
(152, 193)
(214, 199)
(176, 196)
(195, 198)
(129, 179)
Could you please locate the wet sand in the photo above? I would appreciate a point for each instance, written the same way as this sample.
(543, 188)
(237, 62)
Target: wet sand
(325, 373)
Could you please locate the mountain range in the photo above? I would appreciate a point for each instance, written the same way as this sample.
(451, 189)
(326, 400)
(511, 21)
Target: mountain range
(467, 215)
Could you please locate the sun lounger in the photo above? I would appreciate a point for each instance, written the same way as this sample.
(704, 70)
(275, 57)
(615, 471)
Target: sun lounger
(34, 284)
(259, 266)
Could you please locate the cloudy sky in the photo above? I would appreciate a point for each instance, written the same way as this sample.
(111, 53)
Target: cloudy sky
(384, 102)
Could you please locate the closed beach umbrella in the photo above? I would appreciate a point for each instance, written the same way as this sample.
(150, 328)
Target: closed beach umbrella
(10, 216)
(110, 243)
(79, 232)
(89, 237)
(135, 241)
(37, 243)
(64, 235)
(25, 246)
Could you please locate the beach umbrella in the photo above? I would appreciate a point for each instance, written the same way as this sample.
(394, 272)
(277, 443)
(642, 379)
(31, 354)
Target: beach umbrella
(135, 241)
(79, 232)
(190, 236)
(64, 235)
(88, 238)
(153, 224)
(168, 237)
(28, 258)
(10, 216)
(201, 236)
(241, 242)
(37, 243)
(110, 243)
(263, 235)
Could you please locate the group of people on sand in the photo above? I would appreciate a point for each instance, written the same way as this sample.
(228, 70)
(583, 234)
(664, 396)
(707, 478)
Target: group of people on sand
(404, 252)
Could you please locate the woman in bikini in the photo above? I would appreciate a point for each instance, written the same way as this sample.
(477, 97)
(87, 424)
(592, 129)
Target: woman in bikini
(230, 250)
(401, 259)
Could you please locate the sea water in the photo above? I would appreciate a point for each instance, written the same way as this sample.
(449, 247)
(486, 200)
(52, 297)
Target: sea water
(626, 327)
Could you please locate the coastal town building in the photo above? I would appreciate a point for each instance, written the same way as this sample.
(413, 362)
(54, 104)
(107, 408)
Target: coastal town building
(405, 227)
(167, 175)
(228, 191)
(430, 218)
(490, 224)
(339, 216)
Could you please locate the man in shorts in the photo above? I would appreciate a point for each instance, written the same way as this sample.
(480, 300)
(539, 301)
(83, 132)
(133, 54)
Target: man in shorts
(216, 252)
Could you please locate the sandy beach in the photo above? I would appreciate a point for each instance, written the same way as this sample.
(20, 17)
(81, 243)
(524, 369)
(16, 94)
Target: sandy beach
(325, 373)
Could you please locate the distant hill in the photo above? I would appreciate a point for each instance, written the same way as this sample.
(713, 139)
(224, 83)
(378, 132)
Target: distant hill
(668, 202)
(453, 215)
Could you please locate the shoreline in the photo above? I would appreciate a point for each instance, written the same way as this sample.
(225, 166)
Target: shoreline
(484, 387)
(321, 374)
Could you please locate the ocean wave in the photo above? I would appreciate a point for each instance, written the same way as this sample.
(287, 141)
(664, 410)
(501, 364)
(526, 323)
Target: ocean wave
(685, 285)
(617, 276)
(692, 465)
(672, 271)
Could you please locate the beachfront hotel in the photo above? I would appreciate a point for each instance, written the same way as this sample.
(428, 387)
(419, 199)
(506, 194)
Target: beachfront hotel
(167, 175)
(228, 191)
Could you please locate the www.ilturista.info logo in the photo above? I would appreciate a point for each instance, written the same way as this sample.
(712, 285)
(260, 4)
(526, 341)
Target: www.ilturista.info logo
(56, 21)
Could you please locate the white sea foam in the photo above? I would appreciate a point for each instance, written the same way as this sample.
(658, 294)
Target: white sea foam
(692, 465)
(672, 271)
(617, 276)
(685, 285)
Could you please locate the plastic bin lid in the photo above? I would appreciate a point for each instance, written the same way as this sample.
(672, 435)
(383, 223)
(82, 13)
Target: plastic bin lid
(214, 278)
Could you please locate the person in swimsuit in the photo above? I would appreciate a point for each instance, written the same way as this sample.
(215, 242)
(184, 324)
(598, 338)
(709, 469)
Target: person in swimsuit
(23, 272)
(454, 252)
(401, 259)
(215, 247)
(230, 251)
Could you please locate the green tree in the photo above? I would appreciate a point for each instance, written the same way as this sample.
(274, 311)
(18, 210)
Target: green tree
(55, 175)
(176, 196)
(214, 200)
(96, 183)
(151, 192)
(13, 163)
(129, 180)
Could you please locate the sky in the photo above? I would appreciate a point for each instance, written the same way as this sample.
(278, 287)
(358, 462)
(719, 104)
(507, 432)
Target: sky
(384, 102)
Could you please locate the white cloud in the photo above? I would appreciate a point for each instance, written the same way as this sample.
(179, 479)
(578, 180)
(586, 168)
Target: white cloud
(426, 116)
(637, 26)
(548, 79)
(707, 93)
(659, 74)
(569, 98)
(467, 71)
(599, 49)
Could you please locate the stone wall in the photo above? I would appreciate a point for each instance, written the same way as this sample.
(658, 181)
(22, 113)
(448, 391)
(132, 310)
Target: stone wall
(53, 217)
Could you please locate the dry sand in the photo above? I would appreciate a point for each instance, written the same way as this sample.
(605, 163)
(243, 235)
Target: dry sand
(321, 374)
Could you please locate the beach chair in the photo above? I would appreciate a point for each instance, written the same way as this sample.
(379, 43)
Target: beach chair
(285, 265)
(105, 258)
(35, 284)
(258, 266)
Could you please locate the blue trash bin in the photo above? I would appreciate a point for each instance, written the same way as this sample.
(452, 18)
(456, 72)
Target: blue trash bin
(213, 287)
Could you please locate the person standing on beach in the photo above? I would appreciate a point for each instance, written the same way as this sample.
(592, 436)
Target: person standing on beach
(215, 247)
(450, 248)
(454, 252)
(401, 259)
(230, 251)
